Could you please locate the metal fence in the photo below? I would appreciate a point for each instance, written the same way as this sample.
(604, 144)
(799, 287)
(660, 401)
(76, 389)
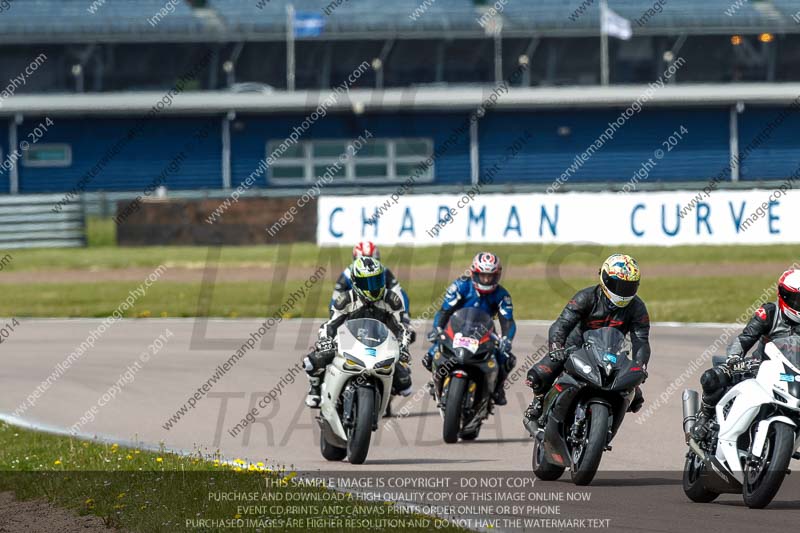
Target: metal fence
(30, 221)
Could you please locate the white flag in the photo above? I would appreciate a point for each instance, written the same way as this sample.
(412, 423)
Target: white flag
(613, 24)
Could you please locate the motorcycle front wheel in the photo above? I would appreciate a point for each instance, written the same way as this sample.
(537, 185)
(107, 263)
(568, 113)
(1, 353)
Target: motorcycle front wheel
(586, 457)
(453, 409)
(762, 482)
(359, 436)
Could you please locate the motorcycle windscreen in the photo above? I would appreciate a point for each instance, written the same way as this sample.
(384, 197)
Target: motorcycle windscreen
(368, 331)
(471, 328)
(605, 343)
(790, 348)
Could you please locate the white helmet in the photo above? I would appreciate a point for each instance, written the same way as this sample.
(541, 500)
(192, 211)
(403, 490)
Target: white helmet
(789, 294)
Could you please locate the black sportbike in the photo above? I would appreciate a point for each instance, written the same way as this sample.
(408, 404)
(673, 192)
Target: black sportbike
(585, 406)
(465, 373)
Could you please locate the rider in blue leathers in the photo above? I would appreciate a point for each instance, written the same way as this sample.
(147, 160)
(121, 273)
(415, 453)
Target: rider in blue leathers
(484, 291)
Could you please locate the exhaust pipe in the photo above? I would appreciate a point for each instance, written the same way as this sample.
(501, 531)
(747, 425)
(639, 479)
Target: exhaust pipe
(691, 405)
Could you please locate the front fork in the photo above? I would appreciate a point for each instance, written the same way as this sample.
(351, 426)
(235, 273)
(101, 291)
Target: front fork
(578, 431)
(349, 406)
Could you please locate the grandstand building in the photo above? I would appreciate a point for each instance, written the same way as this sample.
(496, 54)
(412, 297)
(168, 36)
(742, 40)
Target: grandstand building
(111, 95)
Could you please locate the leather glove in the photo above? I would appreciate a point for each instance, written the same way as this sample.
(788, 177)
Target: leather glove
(732, 363)
(434, 334)
(405, 356)
(558, 353)
(324, 346)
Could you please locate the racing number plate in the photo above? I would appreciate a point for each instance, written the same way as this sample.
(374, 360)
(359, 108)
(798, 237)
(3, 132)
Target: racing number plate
(459, 341)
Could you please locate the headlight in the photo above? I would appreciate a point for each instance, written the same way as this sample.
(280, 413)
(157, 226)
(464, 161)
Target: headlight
(352, 363)
(385, 366)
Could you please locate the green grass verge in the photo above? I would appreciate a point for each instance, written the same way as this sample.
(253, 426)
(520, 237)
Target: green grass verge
(101, 231)
(147, 491)
(668, 299)
(103, 253)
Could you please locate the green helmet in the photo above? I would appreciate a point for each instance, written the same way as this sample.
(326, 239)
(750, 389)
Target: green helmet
(369, 278)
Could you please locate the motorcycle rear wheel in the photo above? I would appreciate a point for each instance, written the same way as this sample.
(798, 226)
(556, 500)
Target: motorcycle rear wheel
(542, 468)
(329, 451)
(760, 486)
(693, 486)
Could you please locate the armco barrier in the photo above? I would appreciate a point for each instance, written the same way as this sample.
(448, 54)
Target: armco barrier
(28, 221)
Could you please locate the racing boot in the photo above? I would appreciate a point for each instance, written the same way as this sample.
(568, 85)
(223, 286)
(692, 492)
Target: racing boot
(499, 394)
(401, 381)
(532, 414)
(314, 397)
(702, 425)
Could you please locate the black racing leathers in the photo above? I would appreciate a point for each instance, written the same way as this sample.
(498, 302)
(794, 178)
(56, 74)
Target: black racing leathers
(590, 309)
(766, 324)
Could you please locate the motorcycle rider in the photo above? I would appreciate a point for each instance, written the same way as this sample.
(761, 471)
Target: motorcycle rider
(344, 282)
(770, 321)
(613, 302)
(481, 290)
(368, 298)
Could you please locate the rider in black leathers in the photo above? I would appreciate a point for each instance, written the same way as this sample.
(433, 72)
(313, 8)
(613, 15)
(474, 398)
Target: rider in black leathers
(770, 321)
(595, 307)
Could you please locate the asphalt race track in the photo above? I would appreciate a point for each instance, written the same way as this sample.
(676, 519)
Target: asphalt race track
(638, 489)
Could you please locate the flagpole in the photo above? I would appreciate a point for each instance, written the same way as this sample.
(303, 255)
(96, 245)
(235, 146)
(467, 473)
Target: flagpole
(290, 47)
(603, 44)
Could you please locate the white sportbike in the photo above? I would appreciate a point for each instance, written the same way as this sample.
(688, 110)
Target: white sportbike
(754, 432)
(356, 388)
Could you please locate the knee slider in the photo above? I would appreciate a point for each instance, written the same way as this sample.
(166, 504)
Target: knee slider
(538, 385)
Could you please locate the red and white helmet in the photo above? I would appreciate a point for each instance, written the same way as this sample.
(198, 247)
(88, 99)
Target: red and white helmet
(486, 270)
(366, 249)
(789, 294)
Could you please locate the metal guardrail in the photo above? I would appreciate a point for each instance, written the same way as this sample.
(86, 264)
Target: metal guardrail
(28, 221)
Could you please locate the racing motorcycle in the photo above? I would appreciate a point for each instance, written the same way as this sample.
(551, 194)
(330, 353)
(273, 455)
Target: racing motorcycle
(754, 432)
(356, 388)
(465, 373)
(585, 407)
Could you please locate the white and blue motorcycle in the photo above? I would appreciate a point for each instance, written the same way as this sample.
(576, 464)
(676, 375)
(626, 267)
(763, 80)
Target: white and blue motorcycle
(356, 388)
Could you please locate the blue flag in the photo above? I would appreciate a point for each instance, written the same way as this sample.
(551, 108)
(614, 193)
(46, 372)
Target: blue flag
(308, 24)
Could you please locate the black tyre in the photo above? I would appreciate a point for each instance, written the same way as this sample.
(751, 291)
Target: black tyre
(329, 451)
(542, 468)
(360, 434)
(586, 459)
(762, 483)
(694, 471)
(453, 409)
